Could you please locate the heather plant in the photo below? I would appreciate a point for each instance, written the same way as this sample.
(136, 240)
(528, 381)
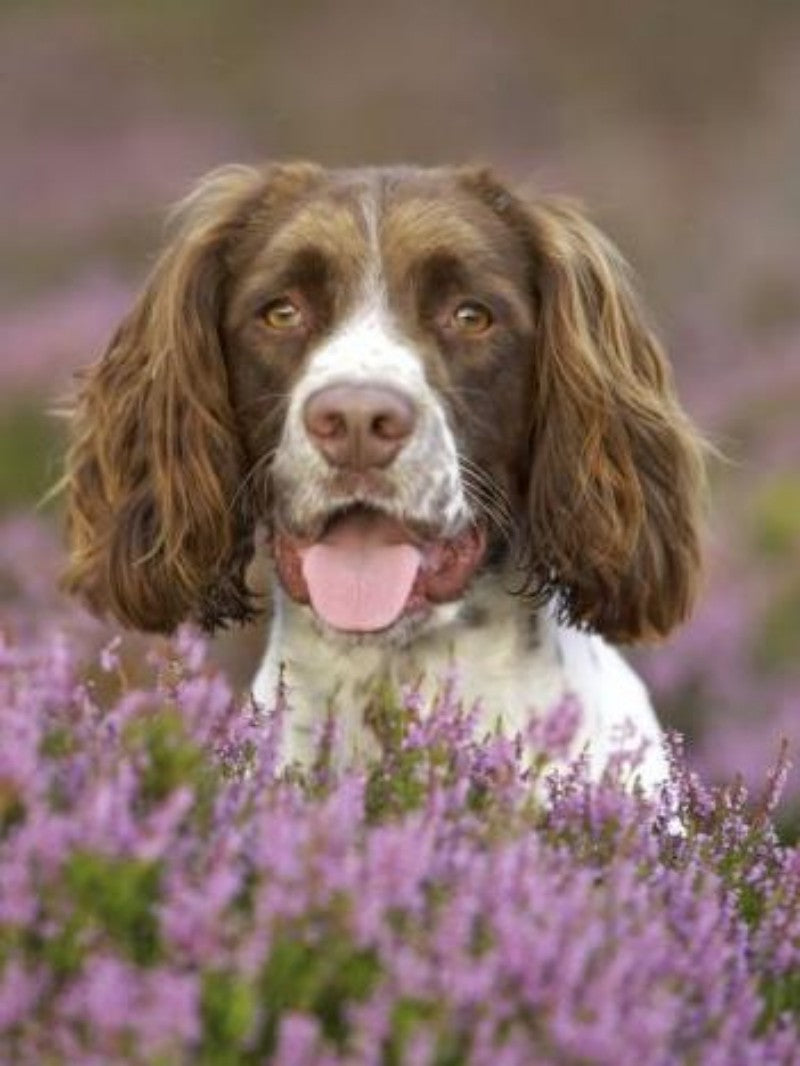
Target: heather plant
(169, 893)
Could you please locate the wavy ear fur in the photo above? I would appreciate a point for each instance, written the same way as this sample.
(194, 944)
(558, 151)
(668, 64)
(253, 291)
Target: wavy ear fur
(615, 478)
(616, 468)
(156, 530)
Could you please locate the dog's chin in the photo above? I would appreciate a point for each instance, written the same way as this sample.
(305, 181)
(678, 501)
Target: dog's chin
(371, 577)
(399, 634)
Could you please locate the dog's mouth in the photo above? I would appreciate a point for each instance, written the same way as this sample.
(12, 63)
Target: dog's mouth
(367, 569)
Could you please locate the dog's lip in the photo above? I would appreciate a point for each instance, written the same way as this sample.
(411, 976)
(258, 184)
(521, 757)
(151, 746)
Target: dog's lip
(447, 561)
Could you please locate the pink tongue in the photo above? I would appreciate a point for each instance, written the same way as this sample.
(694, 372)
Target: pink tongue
(360, 575)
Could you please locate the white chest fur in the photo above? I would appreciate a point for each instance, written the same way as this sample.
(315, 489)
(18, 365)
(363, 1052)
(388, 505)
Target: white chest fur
(516, 664)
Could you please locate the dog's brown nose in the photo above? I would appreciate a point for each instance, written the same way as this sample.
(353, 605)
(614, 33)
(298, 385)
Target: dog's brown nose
(359, 426)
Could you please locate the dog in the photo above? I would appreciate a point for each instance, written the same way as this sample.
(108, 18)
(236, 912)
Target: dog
(435, 404)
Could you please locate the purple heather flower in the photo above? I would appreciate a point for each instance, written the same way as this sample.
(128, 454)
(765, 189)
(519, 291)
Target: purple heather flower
(150, 850)
(20, 989)
(298, 1041)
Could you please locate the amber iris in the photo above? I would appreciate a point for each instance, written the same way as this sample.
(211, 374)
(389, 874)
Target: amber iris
(283, 314)
(472, 318)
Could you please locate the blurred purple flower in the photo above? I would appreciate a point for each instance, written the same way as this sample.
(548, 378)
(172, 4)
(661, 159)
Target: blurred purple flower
(41, 344)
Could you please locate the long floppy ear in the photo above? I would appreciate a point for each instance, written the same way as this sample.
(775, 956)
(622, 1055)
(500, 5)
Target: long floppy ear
(615, 474)
(157, 531)
(616, 468)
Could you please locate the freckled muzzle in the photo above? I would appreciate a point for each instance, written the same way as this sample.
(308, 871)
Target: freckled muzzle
(368, 570)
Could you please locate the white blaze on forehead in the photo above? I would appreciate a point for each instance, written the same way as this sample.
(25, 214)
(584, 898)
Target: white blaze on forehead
(370, 209)
(368, 346)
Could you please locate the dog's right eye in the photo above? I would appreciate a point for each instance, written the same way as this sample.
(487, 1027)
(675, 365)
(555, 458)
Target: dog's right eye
(472, 318)
(283, 315)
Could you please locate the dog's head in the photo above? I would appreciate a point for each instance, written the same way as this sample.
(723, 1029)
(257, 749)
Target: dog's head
(405, 376)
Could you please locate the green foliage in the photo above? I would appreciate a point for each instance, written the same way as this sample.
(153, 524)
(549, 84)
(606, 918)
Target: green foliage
(777, 518)
(12, 808)
(396, 792)
(171, 759)
(65, 951)
(781, 996)
(778, 643)
(412, 1015)
(228, 1012)
(57, 743)
(117, 898)
(29, 447)
(322, 976)
(397, 784)
(403, 779)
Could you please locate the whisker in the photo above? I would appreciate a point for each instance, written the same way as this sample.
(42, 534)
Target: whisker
(489, 500)
(461, 390)
(479, 478)
(496, 520)
(263, 461)
(491, 504)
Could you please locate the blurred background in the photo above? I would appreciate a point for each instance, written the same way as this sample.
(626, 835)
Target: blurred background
(677, 122)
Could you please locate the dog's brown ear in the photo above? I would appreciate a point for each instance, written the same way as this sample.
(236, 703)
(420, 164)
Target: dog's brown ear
(616, 469)
(157, 531)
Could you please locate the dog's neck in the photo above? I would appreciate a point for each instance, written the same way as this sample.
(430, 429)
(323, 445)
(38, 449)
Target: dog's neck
(504, 655)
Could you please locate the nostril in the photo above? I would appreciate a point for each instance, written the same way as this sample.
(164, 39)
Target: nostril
(393, 424)
(325, 417)
(382, 426)
(327, 424)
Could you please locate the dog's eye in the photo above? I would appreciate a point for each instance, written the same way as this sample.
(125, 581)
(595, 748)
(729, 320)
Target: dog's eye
(472, 318)
(283, 314)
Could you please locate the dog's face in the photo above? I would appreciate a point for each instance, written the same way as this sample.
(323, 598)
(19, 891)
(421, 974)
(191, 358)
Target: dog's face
(406, 376)
(371, 339)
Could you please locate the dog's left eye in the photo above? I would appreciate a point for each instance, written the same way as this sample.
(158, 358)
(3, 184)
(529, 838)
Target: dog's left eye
(472, 318)
(283, 314)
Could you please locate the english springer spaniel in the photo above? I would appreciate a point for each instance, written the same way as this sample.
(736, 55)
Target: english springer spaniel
(436, 405)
